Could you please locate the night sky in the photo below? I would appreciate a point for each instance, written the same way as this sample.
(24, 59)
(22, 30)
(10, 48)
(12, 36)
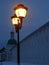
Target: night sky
(38, 14)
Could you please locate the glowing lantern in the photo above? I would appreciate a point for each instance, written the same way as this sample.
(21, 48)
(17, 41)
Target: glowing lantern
(21, 11)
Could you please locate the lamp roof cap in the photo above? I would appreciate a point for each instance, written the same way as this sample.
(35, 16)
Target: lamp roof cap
(20, 6)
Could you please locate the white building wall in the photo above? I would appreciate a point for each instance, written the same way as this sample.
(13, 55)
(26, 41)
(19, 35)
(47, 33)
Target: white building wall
(35, 48)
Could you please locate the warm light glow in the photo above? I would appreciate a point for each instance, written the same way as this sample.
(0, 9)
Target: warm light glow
(20, 12)
(16, 21)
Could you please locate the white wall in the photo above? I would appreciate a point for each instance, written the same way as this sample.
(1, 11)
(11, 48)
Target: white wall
(35, 49)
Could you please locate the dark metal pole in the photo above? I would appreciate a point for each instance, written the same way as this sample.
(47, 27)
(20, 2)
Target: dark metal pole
(1, 58)
(18, 49)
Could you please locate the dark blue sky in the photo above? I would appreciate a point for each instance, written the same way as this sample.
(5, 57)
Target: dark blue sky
(38, 14)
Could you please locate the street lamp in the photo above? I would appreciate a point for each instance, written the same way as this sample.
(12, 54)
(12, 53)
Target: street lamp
(17, 22)
(20, 12)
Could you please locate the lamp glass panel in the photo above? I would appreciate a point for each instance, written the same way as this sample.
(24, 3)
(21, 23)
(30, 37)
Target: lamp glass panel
(20, 12)
(16, 21)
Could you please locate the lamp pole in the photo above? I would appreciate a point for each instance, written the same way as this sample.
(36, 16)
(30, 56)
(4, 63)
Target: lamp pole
(18, 49)
(20, 13)
(18, 46)
(1, 58)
